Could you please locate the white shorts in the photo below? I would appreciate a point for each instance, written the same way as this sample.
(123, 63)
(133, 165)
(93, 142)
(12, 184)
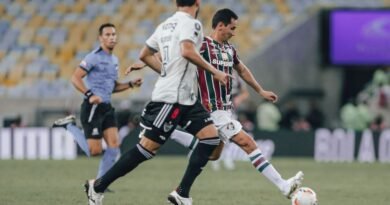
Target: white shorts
(227, 126)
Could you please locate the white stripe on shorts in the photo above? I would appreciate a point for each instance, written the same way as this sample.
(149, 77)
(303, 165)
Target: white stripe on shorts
(162, 115)
(92, 112)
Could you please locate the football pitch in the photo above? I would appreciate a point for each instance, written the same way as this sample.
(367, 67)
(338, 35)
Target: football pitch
(60, 182)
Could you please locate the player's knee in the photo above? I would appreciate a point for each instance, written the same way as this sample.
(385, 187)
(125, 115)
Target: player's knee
(249, 147)
(113, 144)
(216, 154)
(95, 151)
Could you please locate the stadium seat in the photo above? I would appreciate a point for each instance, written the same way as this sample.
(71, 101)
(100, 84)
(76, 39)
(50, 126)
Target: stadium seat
(63, 31)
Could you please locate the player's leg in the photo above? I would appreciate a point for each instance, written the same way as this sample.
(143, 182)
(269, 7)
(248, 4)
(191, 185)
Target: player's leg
(91, 117)
(197, 122)
(111, 137)
(190, 141)
(69, 123)
(111, 153)
(222, 119)
(227, 157)
(208, 141)
(128, 161)
(95, 146)
(94, 134)
(261, 164)
(187, 140)
(153, 136)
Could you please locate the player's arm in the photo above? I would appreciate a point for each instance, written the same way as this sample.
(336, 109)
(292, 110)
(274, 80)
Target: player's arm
(150, 59)
(248, 77)
(78, 83)
(122, 86)
(189, 52)
(140, 65)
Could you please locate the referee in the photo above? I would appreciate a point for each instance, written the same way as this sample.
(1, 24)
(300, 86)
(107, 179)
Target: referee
(99, 69)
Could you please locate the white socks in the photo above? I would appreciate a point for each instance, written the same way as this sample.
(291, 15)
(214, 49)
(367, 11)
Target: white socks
(262, 165)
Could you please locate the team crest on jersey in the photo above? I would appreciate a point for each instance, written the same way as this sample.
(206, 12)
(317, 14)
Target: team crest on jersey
(225, 56)
(167, 126)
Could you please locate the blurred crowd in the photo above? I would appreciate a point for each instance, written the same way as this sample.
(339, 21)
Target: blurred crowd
(371, 107)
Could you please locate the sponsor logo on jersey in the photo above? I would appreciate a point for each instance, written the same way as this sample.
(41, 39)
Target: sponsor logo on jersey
(222, 63)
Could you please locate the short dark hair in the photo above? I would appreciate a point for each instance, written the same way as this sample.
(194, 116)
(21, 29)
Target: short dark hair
(185, 2)
(223, 15)
(104, 26)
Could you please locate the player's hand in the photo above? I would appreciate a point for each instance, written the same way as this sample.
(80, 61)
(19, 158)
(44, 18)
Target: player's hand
(135, 66)
(94, 99)
(268, 95)
(222, 77)
(137, 82)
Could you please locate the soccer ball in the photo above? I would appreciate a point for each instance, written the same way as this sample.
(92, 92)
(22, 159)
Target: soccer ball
(304, 196)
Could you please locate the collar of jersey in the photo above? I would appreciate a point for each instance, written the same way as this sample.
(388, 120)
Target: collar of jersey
(100, 50)
(184, 13)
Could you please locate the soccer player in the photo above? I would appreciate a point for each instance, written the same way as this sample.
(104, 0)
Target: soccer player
(174, 102)
(100, 68)
(217, 99)
(239, 94)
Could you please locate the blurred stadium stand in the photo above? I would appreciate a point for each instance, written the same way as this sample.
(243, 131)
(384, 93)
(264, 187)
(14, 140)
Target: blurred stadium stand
(42, 41)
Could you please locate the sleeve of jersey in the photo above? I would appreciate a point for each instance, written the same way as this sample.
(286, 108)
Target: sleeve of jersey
(236, 59)
(152, 42)
(191, 30)
(87, 63)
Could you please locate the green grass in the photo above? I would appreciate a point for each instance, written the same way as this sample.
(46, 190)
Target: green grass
(60, 182)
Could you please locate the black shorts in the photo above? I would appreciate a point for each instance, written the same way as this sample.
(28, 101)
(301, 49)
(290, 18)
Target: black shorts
(96, 120)
(160, 119)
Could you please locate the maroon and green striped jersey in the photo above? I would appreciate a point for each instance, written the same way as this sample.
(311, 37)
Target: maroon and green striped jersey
(212, 94)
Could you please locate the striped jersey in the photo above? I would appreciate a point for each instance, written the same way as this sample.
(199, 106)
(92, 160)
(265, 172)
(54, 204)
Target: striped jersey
(212, 94)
